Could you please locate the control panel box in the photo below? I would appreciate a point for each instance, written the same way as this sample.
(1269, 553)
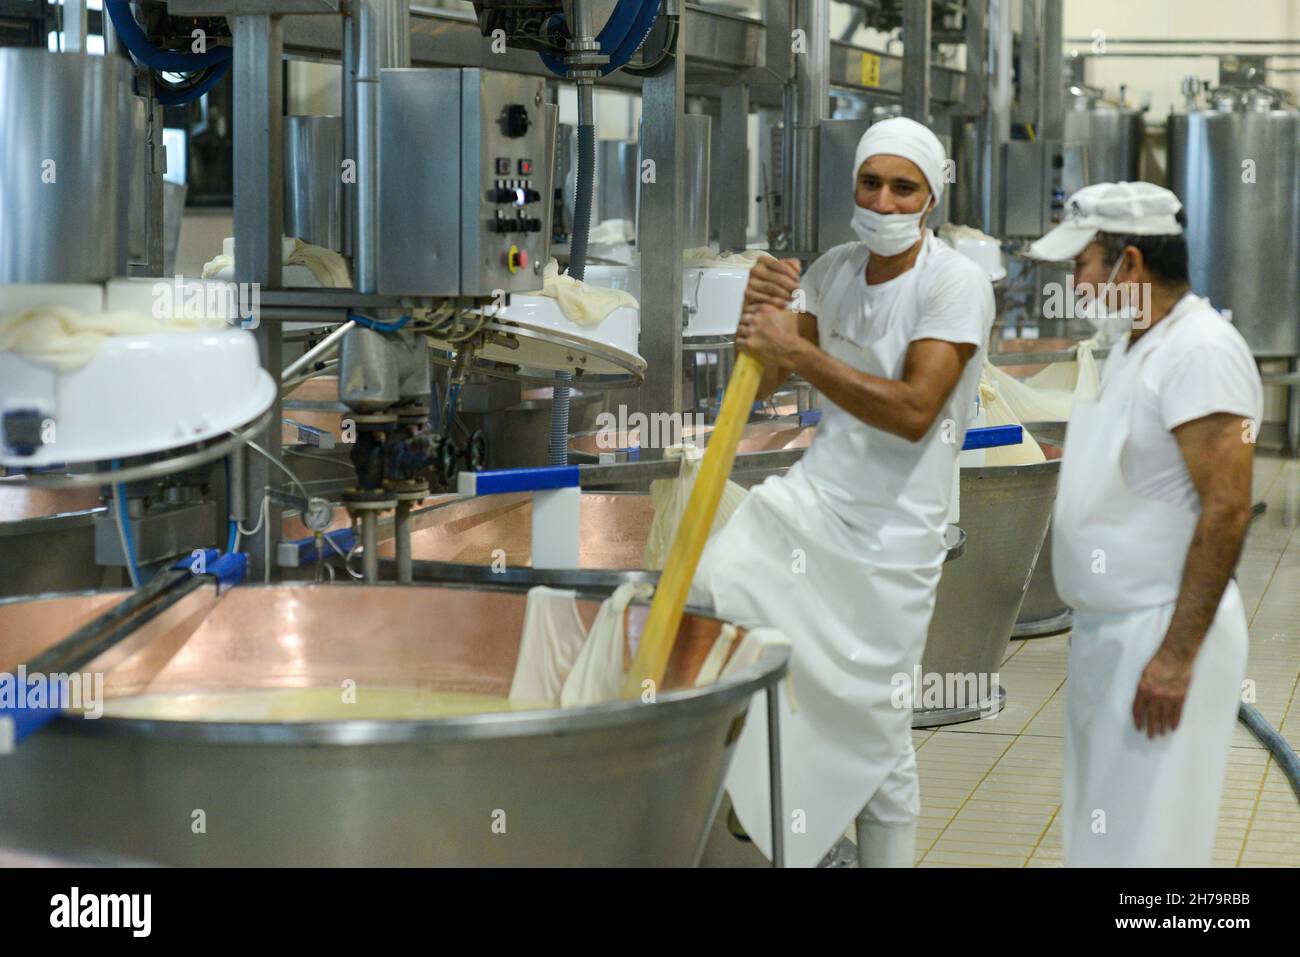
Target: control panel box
(464, 178)
(1037, 178)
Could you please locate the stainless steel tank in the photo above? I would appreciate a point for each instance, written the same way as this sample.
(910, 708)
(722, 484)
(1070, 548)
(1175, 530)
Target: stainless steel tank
(313, 185)
(1005, 511)
(66, 122)
(1043, 611)
(1236, 169)
(47, 539)
(616, 180)
(617, 784)
(1112, 134)
(695, 129)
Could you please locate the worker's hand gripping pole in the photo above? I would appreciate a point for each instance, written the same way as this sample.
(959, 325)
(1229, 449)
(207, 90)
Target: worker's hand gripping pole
(697, 520)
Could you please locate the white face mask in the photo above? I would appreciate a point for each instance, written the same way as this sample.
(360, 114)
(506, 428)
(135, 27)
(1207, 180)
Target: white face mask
(1110, 324)
(887, 235)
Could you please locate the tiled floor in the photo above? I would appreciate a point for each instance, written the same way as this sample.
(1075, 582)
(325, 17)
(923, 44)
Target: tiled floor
(991, 789)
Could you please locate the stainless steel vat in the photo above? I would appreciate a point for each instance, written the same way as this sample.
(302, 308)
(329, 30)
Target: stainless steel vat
(489, 540)
(1237, 172)
(47, 539)
(1043, 611)
(313, 185)
(66, 122)
(1004, 511)
(617, 784)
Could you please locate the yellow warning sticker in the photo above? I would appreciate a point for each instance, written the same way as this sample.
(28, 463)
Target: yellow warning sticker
(870, 69)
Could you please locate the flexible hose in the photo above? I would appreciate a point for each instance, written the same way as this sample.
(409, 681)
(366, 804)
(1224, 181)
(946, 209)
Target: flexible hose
(1277, 745)
(561, 401)
(180, 98)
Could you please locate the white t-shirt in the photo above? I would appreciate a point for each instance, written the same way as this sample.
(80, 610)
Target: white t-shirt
(893, 492)
(955, 295)
(1194, 364)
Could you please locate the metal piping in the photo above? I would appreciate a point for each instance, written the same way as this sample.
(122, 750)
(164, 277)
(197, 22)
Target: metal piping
(382, 40)
(811, 100)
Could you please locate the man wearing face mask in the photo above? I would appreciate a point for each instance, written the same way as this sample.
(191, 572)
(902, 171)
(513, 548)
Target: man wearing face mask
(1151, 510)
(843, 553)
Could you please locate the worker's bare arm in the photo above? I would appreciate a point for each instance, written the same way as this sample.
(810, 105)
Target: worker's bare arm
(1220, 461)
(905, 407)
(775, 374)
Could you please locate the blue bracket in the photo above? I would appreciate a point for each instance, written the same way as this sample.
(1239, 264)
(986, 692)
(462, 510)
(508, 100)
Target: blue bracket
(22, 719)
(993, 436)
(229, 569)
(517, 480)
(810, 417)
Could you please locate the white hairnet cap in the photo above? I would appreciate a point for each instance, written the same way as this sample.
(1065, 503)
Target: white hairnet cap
(909, 139)
(1137, 209)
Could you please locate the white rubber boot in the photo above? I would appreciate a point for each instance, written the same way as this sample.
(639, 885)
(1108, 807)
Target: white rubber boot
(886, 845)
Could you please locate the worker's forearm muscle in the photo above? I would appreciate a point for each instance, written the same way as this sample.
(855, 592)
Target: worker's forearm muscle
(905, 407)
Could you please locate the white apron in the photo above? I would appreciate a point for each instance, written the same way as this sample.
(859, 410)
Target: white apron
(851, 584)
(1118, 561)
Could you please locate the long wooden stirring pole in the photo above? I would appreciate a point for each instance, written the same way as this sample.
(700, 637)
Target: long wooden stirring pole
(693, 531)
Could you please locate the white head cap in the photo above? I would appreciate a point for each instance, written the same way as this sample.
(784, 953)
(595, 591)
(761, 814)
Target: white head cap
(906, 138)
(1135, 209)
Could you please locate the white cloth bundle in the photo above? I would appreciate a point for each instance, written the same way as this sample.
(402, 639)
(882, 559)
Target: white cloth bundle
(586, 305)
(1047, 396)
(328, 268)
(598, 674)
(611, 231)
(563, 664)
(552, 639)
(67, 339)
(705, 257)
(997, 412)
(670, 496)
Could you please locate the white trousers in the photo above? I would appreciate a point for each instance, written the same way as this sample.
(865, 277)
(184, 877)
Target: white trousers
(898, 799)
(1131, 801)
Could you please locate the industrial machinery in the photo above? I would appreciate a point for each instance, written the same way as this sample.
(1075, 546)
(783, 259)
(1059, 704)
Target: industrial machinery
(1235, 165)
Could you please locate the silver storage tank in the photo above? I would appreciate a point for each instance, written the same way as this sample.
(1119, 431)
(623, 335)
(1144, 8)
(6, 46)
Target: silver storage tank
(313, 185)
(1112, 134)
(616, 179)
(65, 166)
(695, 183)
(1236, 169)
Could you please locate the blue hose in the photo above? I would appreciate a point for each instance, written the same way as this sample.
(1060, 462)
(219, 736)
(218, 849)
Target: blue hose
(1277, 745)
(636, 36)
(368, 323)
(610, 37)
(119, 11)
(624, 32)
(173, 98)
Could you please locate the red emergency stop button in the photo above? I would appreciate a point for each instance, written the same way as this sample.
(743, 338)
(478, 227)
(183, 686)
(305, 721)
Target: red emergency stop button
(517, 259)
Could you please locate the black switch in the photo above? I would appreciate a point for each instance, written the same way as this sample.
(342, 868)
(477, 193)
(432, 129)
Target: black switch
(503, 165)
(22, 430)
(516, 120)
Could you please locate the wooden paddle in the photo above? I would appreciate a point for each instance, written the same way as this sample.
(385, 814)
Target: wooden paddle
(665, 616)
